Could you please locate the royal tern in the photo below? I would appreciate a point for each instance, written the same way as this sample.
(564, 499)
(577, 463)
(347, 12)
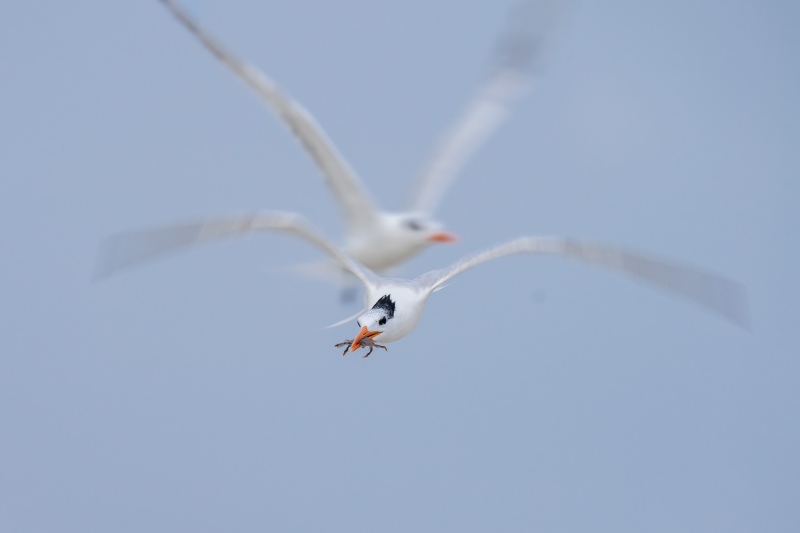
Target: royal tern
(381, 239)
(394, 306)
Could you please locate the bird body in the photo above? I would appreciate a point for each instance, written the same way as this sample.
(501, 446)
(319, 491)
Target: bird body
(407, 300)
(393, 238)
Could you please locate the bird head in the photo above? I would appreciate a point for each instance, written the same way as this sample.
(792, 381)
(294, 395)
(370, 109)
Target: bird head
(377, 320)
(420, 229)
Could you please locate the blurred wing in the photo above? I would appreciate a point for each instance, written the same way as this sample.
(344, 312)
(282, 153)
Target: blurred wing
(348, 319)
(355, 202)
(716, 293)
(517, 57)
(127, 249)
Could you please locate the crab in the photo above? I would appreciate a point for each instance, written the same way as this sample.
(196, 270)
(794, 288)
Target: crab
(366, 342)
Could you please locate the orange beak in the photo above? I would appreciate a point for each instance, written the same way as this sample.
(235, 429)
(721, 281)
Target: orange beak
(364, 333)
(442, 237)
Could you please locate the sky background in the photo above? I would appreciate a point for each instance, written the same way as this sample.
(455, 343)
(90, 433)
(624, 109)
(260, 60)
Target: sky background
(200, 393)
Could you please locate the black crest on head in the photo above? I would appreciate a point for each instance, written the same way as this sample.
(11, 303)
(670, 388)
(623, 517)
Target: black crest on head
(387, 304)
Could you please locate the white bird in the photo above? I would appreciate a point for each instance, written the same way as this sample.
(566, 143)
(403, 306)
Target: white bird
(381, 239)
(393, 307)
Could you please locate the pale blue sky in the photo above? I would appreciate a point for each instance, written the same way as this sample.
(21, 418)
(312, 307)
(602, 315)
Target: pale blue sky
(200, 393)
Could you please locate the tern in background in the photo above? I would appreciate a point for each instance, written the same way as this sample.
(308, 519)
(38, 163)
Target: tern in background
(393, 306)
(382, 239)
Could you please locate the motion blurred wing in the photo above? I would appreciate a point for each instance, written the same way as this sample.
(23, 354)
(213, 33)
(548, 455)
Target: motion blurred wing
(355, 202)
(517, 58)
(719, 295)
(127, 249)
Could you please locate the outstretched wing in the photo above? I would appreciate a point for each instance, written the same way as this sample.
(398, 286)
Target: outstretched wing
(517, 58)
(355, 202)
(126, 249)
(714, 292)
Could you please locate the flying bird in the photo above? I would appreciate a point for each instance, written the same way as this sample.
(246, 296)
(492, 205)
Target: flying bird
(381, 239)
(393, 306)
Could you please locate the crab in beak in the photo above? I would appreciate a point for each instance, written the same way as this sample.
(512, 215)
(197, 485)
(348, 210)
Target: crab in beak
(362, 335)
(362, 340)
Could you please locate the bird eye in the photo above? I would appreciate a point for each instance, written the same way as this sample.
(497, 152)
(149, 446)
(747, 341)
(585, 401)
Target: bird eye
(382, 321)
(413, 225)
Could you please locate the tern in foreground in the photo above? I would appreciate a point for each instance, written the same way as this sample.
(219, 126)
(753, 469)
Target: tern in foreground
(393, 307)
(381, 239)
